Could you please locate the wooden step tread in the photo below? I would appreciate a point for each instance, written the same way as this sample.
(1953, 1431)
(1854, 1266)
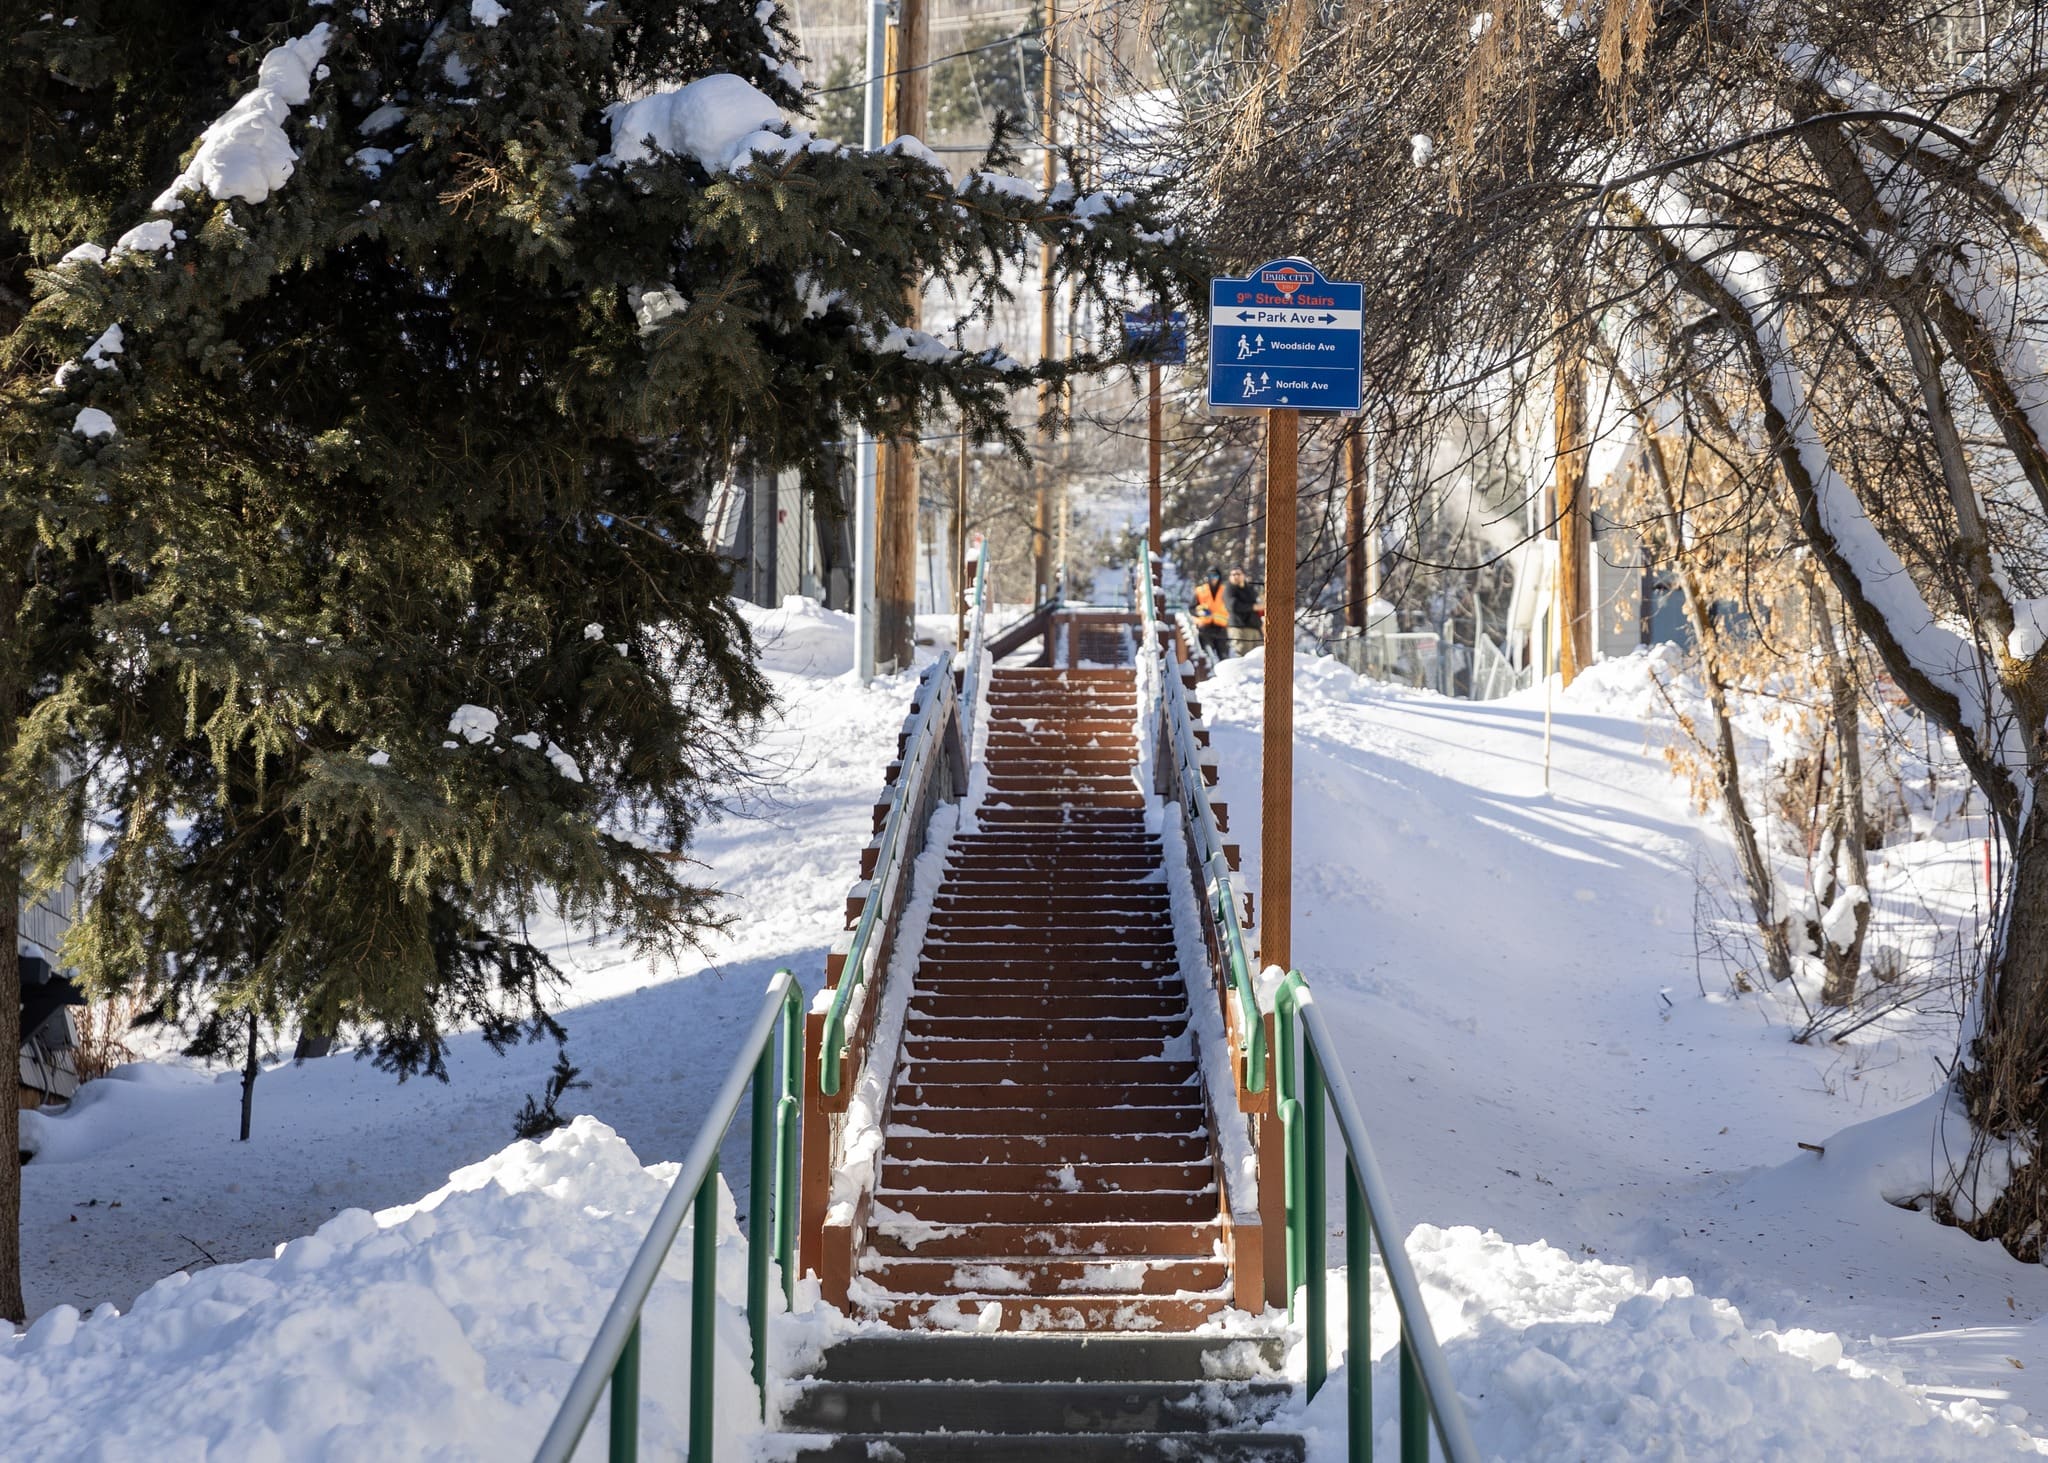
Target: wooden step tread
(901, 1176)
(1068, 1313)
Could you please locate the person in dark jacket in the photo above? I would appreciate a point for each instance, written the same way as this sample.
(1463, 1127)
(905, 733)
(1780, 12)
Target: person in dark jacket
(1212, 620)
(1241, 601)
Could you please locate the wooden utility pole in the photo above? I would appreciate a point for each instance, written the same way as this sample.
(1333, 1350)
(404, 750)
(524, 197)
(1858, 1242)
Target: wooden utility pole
(1355, 597)
(1152, 455)
(960, 545)
(908, 100)
(1574, 516)
(1276, 781)
(1041, 523)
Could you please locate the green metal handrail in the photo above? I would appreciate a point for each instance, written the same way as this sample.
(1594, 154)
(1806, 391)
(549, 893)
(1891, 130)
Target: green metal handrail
(1310, 1081)
(926, 736)
(1223, 909)
(614, 1355)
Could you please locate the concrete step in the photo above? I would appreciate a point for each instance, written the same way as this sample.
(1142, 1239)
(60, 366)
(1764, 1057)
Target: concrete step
(1064, 1447)
(972, 1358)
(1031, 1407)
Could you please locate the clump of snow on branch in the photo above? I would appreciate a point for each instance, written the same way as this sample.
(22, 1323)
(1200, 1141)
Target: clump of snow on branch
(245, 154)
(92, 422)
(99, 354)
(473, 723)
(719, 120)
(651, 307)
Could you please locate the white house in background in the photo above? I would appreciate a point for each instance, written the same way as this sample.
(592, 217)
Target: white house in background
(49, 1036)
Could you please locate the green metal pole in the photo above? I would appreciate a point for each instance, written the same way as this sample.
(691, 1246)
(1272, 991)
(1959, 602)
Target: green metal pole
(788, 1119)
(1315, 1218)
(760, 1222)
(789, 1114)
(704, 1315)
(1414, 1406)
(625, 1446)
(1358, 1322)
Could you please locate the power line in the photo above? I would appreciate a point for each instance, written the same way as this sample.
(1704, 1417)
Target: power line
(927, 65)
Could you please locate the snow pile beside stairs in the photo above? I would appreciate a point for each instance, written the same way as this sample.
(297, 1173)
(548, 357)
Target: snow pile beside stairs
(1560, 1358)
(444, 1329)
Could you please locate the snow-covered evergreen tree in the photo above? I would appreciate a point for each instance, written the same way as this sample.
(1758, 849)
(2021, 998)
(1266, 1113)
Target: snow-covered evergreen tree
(382, 416)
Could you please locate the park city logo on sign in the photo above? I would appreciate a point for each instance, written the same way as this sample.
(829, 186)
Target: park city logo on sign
(1284, 338)
(1287, 279)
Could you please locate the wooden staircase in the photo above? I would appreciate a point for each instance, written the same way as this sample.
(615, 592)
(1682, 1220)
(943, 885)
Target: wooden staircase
(1046, 1228)
(1048, 1163)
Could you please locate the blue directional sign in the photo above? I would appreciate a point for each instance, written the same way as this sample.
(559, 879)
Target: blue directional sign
(1160, 340)
(1286, 337)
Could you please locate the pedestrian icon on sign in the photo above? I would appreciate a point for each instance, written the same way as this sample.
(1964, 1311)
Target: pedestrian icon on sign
(1244, 348)
(1251, 387)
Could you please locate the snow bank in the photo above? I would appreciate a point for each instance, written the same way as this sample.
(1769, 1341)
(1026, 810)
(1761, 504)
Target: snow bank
(1559, 1358)
(448, 1329)
(801, 636)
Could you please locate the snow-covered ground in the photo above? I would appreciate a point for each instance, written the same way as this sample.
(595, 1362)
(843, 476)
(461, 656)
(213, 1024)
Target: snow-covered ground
(1626, 1252)
(144, 1176)
(1514, 975)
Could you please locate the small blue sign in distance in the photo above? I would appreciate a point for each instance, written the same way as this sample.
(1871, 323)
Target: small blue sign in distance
(1159, 340)
(1286, 337)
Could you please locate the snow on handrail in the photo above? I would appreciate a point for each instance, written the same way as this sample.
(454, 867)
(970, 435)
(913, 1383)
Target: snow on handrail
(928, 727)
(1194, 796)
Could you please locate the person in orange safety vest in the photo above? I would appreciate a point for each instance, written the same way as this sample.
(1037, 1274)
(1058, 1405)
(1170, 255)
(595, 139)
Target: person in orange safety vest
(1212, 620)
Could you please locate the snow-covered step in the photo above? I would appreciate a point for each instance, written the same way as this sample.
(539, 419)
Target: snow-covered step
(893, 1233)
(1132, 1358)
(1097, 1177)
(1014, 1407)
(1010, 1274)
(1053, 1313)
(1159, 1206)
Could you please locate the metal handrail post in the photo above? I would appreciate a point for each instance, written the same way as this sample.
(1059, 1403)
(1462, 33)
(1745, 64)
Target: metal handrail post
(760, 1216)
(1415, 1407)
(1358, 1315)
(1315, 1220)
(1419, 1343)
(704, 1316)
(788, 1149)
(613, 1360)
(625, 1419)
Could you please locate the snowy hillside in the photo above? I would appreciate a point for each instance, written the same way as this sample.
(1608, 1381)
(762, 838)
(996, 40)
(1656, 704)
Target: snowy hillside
(1541, 1056)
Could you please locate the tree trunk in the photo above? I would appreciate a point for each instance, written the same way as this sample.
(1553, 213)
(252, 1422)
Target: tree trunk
(1750, 861)
(13, 1305)
(1848, 820)
(249, 1074)
(1574, 511)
